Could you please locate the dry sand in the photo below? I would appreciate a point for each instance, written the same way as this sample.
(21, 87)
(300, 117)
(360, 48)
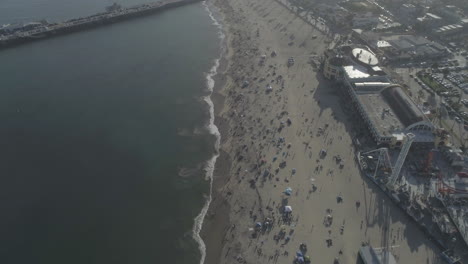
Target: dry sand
(249, 120)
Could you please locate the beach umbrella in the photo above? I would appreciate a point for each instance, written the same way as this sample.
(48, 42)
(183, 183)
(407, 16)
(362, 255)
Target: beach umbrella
(288, 209)
(288, 191)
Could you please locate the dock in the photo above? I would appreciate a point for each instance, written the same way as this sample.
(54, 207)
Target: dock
(13, 36)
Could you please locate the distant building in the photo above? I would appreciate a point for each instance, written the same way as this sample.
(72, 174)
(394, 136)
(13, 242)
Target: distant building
(401, 48)
(367, 20)
(450, 13)
(452, 31)
(407, 13)
(429, 21)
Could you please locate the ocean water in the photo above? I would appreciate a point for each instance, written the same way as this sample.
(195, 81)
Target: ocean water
(105, 137)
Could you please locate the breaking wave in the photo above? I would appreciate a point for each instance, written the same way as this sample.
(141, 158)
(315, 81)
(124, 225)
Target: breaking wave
(213, 130)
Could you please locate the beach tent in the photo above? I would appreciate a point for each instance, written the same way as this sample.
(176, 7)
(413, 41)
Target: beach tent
(288, 191)
(288, 209)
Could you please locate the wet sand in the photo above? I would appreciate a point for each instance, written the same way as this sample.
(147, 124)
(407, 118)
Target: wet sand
(256, 138)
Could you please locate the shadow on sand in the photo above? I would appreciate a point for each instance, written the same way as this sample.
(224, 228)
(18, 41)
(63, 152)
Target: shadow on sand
(380, 211)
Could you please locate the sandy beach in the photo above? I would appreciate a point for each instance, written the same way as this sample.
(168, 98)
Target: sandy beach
(262, 153)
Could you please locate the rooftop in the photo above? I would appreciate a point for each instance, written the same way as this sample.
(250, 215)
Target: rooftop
(356, 71)
(433, 16)
(401, 44)
(383, 118)
(448, 28)
(406, 110)
(426, 50)
(416, 40)
(383, 44)
(370, 86)
(409, 6)
(365, 56)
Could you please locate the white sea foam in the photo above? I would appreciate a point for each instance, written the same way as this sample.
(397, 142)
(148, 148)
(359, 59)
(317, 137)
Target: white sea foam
(210, 164)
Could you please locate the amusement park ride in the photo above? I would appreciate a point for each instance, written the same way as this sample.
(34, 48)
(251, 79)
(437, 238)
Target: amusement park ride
(384, 164)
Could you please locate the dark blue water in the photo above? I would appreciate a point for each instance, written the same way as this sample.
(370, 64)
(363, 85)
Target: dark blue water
(94, 129)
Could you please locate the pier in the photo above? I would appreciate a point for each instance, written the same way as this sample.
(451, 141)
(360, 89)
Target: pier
(429, 208)
(10, 37)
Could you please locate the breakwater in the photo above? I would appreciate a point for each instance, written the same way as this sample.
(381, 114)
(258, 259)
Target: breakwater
(16, 35)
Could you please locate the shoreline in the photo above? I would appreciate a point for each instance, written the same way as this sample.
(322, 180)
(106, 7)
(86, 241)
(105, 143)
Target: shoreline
(214, 80)
(217, 219)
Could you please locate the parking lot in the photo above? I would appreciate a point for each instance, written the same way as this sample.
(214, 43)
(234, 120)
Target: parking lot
(451, 97)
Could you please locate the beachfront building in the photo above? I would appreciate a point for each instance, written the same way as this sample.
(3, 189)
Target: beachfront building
(383, 106)
(332, 67)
